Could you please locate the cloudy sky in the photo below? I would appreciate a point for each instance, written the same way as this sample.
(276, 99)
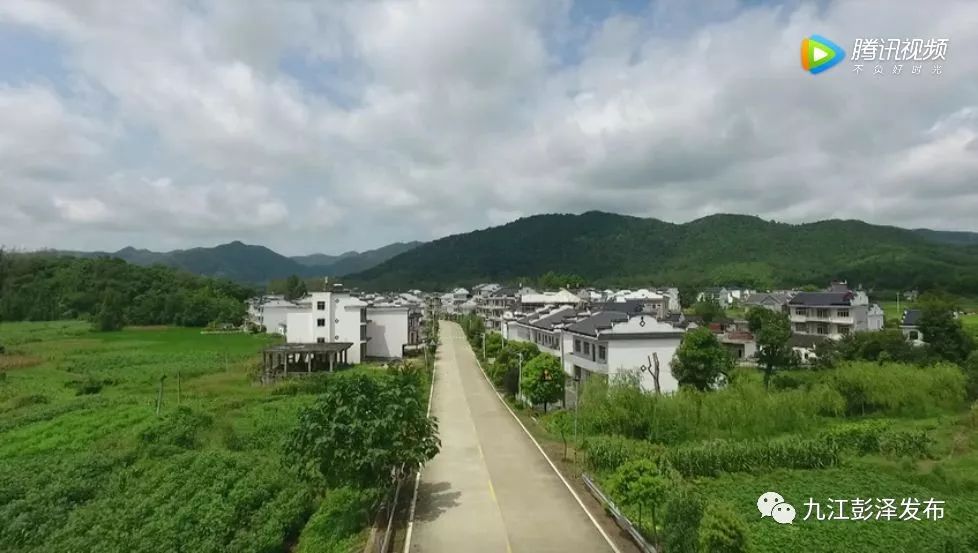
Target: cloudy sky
(322, 126)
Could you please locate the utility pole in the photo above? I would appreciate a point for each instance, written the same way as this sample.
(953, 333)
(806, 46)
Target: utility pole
(483, 345)
(577, 403)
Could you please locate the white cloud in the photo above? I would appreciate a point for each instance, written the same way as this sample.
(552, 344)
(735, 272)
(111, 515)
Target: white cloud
(413, 118)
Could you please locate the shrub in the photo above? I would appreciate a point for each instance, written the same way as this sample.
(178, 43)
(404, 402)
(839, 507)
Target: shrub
(180, 428)
(723, 531)
(905, 443)
(88, 386)
(681, 524)
(335, 526)
(898, 389)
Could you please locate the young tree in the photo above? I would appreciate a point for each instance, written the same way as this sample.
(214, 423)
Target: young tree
(362, 428)
(562, 424)
(687, 296)
(543, 380)
(945, 336)
(505, 369)
(701, 360)
(110, 314)
(709, 310)
(295, 288)
(772, 331)
(681, 524)
(640, 484)
(722, 531)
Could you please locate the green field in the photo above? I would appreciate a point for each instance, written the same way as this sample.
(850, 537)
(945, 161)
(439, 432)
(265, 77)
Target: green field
(87, 465)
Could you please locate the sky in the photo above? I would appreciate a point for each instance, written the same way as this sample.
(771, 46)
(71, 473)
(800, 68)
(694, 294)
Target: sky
(325, 126)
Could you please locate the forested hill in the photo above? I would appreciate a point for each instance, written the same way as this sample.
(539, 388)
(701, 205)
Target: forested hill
(253, 264)
(37, 287)
(605, 248)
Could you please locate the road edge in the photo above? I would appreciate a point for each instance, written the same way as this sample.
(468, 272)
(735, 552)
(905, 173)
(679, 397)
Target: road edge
(417, 476)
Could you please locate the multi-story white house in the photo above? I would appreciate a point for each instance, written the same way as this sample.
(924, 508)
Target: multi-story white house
(377, 331)
(608, 344)
(492, 308)
(542, 328)
(834, 313)
(530, 302)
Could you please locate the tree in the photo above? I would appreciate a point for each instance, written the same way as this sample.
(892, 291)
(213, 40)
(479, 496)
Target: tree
(640, 484)
(110, 313)
(562, 424)
(494, 344)
(943, 332)
(681, 524)
(772, 331)
(295, 288)
(543, 380)
(722, 531)
(709, 310)
(362, 428)
(687, 296)
(700, 360)
(505, 369)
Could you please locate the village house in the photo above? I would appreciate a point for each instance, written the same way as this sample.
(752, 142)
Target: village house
(834, 313)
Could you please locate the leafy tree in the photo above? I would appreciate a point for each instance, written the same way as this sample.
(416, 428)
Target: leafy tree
(543, 380)
(552, 280)
(681, 524)
(295, 288)
(562, 424)
(944, 334)
(687, 296)
(494, 344)
(640, 484)
(700, 360)
(505, 369)
(888, 344)
(110, 313)
(772, 331)
(709, 310)
(723, 531)
(362, 428)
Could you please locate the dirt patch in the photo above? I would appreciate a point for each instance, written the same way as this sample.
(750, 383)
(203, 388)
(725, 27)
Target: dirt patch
(15, 362)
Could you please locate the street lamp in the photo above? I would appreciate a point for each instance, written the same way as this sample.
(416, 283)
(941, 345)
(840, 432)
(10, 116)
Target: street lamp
(577, 404)
(483, 345)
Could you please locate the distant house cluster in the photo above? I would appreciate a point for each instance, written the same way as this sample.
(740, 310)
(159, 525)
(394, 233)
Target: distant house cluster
(358, 326)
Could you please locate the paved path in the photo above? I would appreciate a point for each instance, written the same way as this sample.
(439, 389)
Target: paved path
(490, 489)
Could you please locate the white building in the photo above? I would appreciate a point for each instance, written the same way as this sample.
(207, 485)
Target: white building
(532, 302)
(608, 344)
(387, 330)
(542, 328)
(271, 312)
(834, 313)
(333, 317)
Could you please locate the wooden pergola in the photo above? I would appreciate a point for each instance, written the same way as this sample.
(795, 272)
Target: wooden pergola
(304, 358)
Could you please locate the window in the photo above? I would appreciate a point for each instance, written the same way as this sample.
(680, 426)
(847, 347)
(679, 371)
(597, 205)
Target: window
(801, 327)
(914, 335)
(320, 340)
(823, 328)
(844, 313)
(822, 313)
(801, 311)
(844, 330)
(320, 306)
(602, 353)
(320, 322)
(577, 345)
(587, 348)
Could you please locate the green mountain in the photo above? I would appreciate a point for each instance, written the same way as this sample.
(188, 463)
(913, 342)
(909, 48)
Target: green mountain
(253, 264)
(605, 248)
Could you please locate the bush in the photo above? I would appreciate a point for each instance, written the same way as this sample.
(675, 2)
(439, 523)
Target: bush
(681, 524)
(723, 531)
(896, 389)
(335, 527)
(88, 386)
(181, 428)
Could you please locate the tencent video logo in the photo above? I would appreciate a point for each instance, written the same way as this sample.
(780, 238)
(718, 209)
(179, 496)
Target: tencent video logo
(819, 54)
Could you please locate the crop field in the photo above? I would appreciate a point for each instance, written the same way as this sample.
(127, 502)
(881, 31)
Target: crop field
(87, 465)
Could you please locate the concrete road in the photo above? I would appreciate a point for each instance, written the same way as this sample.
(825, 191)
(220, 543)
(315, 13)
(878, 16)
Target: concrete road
(490, 489)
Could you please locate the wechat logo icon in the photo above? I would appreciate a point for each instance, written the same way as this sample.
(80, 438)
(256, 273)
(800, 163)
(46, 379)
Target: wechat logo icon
(772, 504)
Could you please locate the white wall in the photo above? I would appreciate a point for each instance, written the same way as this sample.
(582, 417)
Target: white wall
(300, 328)
(625, 356)
(387, 331)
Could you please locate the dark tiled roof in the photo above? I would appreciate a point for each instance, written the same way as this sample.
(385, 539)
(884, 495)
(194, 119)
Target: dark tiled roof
(598, 321)
(673, 318)
(627, 306)
(822, 298)
(805, 340)
(552, 320)
(504, 292)
(911, 317)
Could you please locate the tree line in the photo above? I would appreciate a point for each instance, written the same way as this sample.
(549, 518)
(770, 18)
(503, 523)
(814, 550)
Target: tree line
(111, 292)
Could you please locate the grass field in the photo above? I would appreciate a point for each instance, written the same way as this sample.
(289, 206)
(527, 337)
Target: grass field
(87, 465)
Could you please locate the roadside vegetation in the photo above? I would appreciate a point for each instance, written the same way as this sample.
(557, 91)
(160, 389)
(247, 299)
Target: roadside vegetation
(876, 417)
(87, 464)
